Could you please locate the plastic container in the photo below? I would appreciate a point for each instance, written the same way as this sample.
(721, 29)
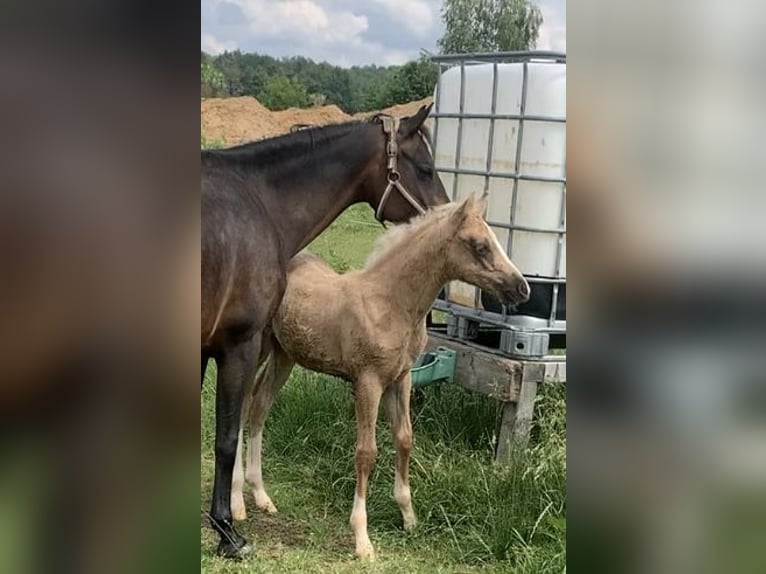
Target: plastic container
(525, 160)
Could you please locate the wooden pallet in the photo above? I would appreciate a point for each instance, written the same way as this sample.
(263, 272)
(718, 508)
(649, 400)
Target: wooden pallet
(513, 382)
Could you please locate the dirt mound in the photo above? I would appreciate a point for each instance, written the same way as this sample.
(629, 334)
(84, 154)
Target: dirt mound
(237, 120)
(313, 116)
(400, 110)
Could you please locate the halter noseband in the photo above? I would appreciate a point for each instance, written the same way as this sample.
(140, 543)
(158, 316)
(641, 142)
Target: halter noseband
(390, 128)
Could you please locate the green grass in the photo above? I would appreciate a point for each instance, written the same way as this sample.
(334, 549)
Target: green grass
(474, 515)
(206, 143)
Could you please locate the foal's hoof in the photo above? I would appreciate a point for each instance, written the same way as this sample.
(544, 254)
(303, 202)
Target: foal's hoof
(410, 524)
(238, 510)
(234, 550)
(266, 506)
(365, 552)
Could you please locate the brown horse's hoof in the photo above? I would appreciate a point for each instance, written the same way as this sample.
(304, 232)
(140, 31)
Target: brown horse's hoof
(235, 549)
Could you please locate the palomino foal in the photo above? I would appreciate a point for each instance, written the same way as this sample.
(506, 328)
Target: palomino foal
(368, 327)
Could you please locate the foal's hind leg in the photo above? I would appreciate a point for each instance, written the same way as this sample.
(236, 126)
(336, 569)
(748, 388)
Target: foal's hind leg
(271, 378)
(397, 402)
(238, 510)
(368, 391)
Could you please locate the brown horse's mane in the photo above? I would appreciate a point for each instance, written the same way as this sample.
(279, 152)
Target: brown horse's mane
(393, 239)
(307, 139)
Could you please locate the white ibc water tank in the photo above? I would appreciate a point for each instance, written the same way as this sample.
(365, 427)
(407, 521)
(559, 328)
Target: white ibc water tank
(540, 204)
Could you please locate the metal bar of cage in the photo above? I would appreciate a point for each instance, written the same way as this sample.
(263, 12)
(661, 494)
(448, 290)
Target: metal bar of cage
(546, 56)
(519, 144)
(531, 229)
(491, 318)
(490, 149)
(559, 248)
(503, 174)
(477, 116)
(435, 133)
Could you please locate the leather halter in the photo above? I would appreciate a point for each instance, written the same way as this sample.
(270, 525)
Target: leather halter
(390, 128)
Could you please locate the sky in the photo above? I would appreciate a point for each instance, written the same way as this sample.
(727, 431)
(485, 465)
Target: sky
(344, 32)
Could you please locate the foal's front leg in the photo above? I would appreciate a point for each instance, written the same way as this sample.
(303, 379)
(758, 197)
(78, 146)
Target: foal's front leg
(367, 400)
(397, 402)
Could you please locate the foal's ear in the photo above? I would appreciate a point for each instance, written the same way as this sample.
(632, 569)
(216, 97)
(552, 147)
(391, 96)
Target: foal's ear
(481, 204)
(409, 126)
(463, 210)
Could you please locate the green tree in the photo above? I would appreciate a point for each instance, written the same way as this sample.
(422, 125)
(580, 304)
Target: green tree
(412, 81)
(281, 92)
(211, 79)
(489, 26)
(230, 65)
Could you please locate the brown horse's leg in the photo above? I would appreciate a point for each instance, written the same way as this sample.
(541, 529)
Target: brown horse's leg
(367, 400)
(271, 378)
(397, 401)
(236, 368)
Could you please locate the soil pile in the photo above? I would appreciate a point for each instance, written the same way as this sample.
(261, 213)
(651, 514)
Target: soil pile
(400, 110)
(237, 120)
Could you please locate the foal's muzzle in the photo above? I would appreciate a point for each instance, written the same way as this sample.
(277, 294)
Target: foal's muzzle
(516, 291)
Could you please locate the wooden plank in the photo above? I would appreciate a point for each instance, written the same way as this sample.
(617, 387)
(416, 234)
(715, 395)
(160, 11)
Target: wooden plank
(516, 421)
(556, 371)
(525, 411)
(504, 449)
(493, 375)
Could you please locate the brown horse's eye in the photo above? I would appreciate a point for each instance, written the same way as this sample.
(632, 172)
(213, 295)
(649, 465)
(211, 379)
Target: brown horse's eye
(425, 171)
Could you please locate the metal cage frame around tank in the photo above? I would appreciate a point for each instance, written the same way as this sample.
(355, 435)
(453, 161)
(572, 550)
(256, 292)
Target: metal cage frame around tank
(505, 320)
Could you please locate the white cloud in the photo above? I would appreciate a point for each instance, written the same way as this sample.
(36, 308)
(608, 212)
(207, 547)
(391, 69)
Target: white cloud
(415, 15)
(553, 32)
(212, 45)
(344, 32)
(305, 19)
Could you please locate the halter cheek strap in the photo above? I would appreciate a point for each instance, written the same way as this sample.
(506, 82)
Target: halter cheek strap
(390, 128)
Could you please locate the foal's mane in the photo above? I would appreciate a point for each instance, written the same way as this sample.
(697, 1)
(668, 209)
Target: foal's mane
(401, 234)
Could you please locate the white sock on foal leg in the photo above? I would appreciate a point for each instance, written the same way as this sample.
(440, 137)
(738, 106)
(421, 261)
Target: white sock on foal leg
(403, 498)
(358, 522)
(238, 511)
(255, 474)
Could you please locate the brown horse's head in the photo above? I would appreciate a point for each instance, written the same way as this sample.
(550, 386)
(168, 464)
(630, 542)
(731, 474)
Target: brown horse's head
(415, 171)
(476, 257)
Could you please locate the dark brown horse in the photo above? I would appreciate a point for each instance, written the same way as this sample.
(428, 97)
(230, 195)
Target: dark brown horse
(262, 203)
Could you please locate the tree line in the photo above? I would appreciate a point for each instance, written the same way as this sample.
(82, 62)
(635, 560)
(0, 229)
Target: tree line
(280, 83)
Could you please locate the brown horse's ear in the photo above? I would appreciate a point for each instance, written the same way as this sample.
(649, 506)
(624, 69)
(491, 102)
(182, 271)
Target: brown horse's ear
(409, 126)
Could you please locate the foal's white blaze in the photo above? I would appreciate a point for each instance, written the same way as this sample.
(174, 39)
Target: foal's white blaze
(358, 521)
(498, 246)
